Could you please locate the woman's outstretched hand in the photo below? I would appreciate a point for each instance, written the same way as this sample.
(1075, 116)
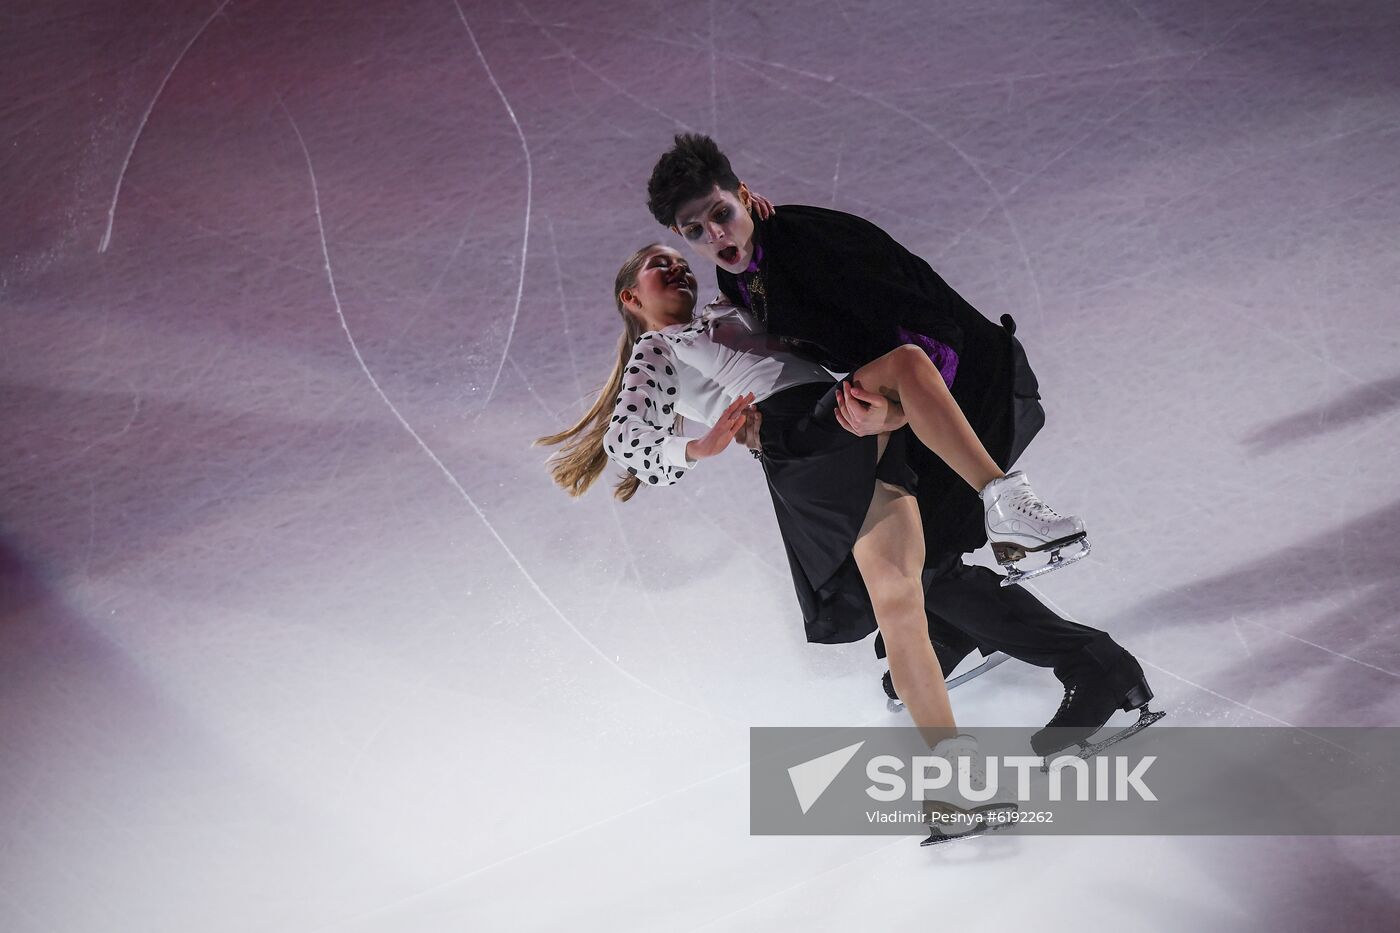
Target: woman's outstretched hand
(761, 205)
(862, 412)
(724, 431)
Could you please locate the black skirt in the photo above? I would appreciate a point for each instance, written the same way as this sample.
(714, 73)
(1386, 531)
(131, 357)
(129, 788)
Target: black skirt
(821, 478)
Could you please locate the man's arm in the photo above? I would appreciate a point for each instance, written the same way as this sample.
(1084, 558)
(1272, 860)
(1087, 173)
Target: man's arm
(862, 412)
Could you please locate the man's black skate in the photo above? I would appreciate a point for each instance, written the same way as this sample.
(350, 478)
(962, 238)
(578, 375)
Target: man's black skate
(1087, 705)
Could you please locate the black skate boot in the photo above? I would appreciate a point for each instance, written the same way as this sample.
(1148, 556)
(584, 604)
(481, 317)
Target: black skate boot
(1091, 697)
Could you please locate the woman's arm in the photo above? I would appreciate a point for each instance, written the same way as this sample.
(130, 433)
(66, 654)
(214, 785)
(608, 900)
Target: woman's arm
(642, 438)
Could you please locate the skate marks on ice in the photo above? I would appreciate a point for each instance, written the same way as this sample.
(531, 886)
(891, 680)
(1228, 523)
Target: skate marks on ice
(529, 195)
(1346, 576)
(442, 467)
(1362, 403)
(1179, 678)
(1317, 869)
(206, 474)
(141, 127)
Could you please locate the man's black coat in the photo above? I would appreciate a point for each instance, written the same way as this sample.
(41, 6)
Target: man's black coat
(845, 287)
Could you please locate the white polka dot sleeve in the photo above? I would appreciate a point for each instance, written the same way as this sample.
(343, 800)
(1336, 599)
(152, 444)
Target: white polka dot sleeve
(642, 437)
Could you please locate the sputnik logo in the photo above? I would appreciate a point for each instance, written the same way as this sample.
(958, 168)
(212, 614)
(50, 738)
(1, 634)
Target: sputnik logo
(811, 778)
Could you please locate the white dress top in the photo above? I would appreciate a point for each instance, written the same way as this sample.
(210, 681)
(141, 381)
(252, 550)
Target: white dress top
(695, 370)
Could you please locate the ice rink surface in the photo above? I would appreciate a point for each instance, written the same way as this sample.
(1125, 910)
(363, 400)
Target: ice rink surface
(295, 632)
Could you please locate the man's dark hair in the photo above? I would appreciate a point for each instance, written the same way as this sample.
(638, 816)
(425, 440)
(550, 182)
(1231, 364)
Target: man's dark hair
(690, 169)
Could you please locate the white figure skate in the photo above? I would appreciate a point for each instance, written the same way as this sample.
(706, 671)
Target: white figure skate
(1018, 523)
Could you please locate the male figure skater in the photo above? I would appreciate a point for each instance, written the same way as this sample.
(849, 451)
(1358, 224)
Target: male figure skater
(841, 289)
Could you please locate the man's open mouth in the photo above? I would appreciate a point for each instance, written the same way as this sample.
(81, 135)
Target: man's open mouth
(729, 255)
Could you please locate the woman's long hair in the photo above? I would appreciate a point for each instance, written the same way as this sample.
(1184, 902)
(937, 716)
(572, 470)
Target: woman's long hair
(582, 459)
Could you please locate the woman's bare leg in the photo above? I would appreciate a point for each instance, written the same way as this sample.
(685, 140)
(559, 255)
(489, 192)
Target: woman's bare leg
(908, 376)
(890, 554)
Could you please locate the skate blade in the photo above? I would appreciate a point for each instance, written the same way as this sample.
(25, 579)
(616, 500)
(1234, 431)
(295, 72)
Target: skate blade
(937, 838)
(988, 662)
(1089, 749)
(1015, 575)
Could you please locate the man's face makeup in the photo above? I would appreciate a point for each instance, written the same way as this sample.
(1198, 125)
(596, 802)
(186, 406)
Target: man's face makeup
(718, 227)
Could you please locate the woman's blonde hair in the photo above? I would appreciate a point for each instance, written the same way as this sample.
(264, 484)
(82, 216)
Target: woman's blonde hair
(583, 459)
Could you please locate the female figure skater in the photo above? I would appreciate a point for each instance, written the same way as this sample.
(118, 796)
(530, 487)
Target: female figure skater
(842, 500)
